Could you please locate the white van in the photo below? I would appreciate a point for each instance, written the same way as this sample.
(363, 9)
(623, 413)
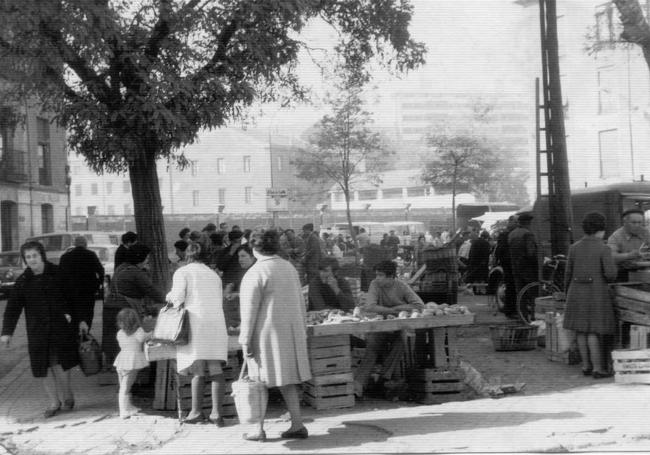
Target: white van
(57, 243)
(375, 230)
(407, 231)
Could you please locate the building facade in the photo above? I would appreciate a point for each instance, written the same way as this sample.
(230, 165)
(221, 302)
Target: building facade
(33, 175)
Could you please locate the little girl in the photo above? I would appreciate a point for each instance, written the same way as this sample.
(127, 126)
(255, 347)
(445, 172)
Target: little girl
(131, 359)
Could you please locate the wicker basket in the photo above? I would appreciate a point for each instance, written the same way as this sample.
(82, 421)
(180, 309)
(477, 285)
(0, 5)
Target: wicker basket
(514, 338)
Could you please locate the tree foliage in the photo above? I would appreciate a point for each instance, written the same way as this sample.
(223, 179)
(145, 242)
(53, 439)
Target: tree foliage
(133, 81)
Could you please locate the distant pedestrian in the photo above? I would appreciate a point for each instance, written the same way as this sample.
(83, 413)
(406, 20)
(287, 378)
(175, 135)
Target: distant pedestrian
(184, 234)
(589, 307)
(523, 254)
(128, 239)
(313, 254)
(502, 257)
(209, 228)
(479, 259)
(130, 360)
(84, 275)
(51, 338)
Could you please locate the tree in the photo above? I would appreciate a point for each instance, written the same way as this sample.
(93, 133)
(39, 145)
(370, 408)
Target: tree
(343, 148)
(135, 81)
(636, 29)
(461, 162)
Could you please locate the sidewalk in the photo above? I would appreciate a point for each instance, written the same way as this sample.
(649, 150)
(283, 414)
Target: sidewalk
(560, 410)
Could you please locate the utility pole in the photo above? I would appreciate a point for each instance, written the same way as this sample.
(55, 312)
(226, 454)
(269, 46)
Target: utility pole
(559, 191)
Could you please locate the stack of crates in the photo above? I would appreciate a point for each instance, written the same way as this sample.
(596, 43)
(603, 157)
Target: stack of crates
(332, 383)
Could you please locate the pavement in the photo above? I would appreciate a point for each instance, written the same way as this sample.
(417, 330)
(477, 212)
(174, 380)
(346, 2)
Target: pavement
(559, 410)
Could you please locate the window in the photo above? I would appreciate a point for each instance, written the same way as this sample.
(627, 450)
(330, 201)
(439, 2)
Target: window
(365, 195)
(248, 194)
(126, 186)
(194, 168)
(127, 209)
(392, 193)
(608, 151)
(221, 166)
(79, 211)
(416, 191)
(279, 160)
(195, 198)
(93, 189)
(47, 218)
(43, 151)
(607, 90)
(111, 210)
(247, 163)
(222, 196)
(109, 187)
(77, 190)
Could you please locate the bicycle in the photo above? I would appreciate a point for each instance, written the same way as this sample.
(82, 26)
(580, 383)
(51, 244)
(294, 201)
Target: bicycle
(542, 288)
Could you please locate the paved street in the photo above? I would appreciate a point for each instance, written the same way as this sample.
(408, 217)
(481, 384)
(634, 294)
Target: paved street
(9, 358)
(559, 410)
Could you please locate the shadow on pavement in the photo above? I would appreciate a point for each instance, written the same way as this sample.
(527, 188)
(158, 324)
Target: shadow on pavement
(357, 433)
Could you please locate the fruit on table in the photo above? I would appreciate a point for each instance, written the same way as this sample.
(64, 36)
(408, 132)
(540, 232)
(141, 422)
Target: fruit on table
(431, 309)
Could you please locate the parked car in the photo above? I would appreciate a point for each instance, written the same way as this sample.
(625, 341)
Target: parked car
(11, 267)
(57, 243)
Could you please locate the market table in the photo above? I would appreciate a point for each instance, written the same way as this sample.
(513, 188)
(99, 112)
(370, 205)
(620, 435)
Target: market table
(330, 354)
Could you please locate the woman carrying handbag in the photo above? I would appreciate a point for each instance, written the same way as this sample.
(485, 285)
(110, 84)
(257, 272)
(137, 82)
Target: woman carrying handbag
(198, 288)
(273, 334)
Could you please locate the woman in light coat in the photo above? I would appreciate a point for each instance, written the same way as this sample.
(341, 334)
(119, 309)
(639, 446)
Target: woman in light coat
(199, 288)
(273, 335)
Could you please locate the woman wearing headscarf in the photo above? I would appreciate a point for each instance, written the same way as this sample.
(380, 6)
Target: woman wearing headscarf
(131, 283)
(273, 335)
(51, 337)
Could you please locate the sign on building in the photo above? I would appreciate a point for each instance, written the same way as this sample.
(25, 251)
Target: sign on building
(277, 200)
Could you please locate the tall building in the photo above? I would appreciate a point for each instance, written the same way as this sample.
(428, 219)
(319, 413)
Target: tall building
(229, 172)
(33, 165)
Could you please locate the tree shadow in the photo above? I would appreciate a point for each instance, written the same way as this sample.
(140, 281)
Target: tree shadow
(359, 432)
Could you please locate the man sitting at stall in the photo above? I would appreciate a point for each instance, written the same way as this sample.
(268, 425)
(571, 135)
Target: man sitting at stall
(627, 240)
(386, 296)
(328, 290)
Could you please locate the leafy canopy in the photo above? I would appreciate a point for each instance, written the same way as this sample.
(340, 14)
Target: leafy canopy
(135, 80)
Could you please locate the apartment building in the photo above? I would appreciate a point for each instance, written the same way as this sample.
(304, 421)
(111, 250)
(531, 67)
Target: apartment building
(33, 175)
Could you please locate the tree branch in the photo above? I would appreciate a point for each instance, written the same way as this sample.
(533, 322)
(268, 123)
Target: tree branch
(635, 27)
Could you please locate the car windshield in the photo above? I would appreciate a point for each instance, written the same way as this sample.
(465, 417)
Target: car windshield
(10, 260)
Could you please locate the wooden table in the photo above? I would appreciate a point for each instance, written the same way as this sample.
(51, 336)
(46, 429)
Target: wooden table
(390, 325)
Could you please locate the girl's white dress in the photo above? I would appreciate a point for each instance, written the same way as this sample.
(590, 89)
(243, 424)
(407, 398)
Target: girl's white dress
(131, 356)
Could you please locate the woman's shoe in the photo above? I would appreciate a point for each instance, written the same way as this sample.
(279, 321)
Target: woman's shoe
(297, 434)
(219, 422)
(68, 405)
(261, 437)
(599, 375)
(198, 419)
(51, 412)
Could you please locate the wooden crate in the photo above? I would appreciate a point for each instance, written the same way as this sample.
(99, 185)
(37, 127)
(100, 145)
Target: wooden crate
(433, 386)
(570, 357)
(434, 348)
(329, 391)
(639, 337)
(329, 355)
(631, 366)
(632, 302)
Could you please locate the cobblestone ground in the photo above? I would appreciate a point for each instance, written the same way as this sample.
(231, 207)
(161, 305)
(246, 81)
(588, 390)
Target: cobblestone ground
(559, 410)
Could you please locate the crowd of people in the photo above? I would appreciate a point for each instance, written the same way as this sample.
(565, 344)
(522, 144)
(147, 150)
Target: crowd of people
(254, 280)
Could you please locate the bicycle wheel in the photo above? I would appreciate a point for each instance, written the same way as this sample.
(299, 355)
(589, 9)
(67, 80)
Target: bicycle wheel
(528, 294)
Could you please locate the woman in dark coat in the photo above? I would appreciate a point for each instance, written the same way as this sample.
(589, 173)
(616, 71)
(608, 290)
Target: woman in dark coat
(589, 307)
(479, 259)
(51, 338)
(130, 285)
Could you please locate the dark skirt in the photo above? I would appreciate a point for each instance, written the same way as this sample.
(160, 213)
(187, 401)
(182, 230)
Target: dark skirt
(110, 346)
(590, 309)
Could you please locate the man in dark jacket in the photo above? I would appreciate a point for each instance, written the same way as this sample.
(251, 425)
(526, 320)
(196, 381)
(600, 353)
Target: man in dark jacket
(330, 291)
(83, 275)
(502, 256)
(523, 252)
(128, 239)
(312, 255)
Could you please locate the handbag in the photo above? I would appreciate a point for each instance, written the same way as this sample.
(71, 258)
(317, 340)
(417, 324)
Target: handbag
(251, 397)
(154, 351)
(90, 354)
(172, 326)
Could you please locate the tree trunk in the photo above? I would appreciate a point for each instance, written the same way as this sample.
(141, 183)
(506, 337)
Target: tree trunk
(453, 200)
(147, 209)
(348, 215)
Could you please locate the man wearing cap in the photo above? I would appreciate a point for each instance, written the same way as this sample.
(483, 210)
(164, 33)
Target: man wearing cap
(228, 262)
(312, 255)
(84, 275)
(523, 252)
(626, 241)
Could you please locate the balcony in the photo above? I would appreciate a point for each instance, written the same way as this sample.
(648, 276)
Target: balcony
(13, 167)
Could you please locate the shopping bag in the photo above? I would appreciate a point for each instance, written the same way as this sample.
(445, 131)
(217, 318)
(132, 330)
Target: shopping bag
(250, 396)
(172, 326)
(90, 354)
(154, 351)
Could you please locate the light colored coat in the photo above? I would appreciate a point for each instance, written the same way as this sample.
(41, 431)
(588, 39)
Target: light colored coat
(273, 321)
(199, 288)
